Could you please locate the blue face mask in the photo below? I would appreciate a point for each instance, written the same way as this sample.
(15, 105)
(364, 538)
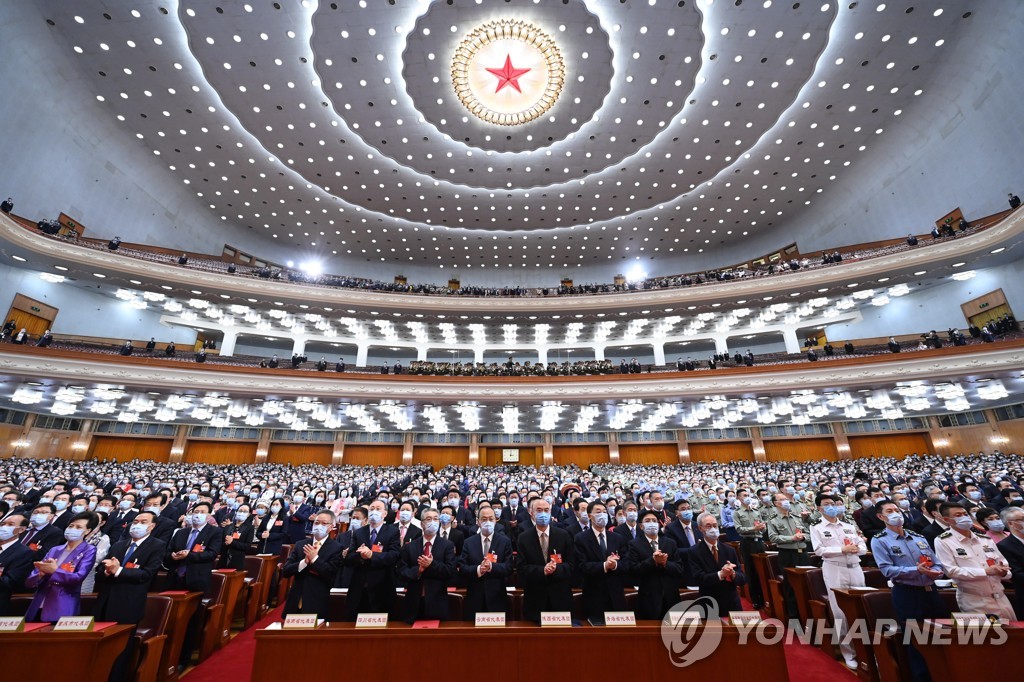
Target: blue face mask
(542, 519)
(833, 511)
(686, 515)
(430, 527)
(446, 518)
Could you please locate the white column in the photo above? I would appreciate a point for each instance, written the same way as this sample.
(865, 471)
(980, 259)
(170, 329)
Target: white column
(227, 346)
(299, 345)
(542, 355)
(721, 345)
(659, 353)
(789, 338)
(599, 353)
(362, 351)
(478, 355)
(421, 353)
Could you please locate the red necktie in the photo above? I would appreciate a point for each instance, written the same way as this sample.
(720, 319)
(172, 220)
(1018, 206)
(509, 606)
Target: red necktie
(426, 548)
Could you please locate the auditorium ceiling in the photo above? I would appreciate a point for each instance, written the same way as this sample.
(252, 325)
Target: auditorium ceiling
(740, 409)
(508, 133)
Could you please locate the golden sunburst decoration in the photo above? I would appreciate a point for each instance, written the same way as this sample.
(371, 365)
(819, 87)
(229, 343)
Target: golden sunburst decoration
(532, 89)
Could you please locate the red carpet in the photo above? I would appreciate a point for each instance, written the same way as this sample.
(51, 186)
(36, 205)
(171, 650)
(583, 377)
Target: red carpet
(234, 661)
(805, 663)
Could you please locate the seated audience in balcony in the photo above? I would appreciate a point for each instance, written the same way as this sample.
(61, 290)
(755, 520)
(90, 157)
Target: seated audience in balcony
(127, 348)
(297, 360)
(8, 329)
(151, 345)
(201, 355)
(321, 365)
(911, 240)
(397, 369)
(384, 369)
(1012, 198)
(170, 350)
(894, 345)
(45, 340)
(21, 338)
(812, 355)
(114, 243)
(7, 206)
(274, 363)
(340, 365)
(182, 259)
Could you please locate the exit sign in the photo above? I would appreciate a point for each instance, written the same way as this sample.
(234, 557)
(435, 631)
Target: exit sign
(983, 305)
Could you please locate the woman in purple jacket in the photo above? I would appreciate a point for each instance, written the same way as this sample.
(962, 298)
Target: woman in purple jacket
(57, 579)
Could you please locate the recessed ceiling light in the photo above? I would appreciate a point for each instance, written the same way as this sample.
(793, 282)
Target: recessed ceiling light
(60, 267)
(18, 258)
(100, 275)
(999, 250)
(920, 272)
(135, 281)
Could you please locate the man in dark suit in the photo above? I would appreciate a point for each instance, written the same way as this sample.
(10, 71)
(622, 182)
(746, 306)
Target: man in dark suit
(451, 532)
(544, 564)
(630, 529)
(682, 530)
(372, 556)
(937, 527)
(516, 514)
(578, 520)
(407, 530)
(425, 566)
(602, 559)
(358, 520)
(715, 567)
(123, 578)
(164, 526)
(124, 512)
(1012, 548)
(193, 551)
(15, 560)
(656, 569)
(42, 535)
(190, 558)
(314, 562)
(300, 515)
(62, 503)
(484, 567)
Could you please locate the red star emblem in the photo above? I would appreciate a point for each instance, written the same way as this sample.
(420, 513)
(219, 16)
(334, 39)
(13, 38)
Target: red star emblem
(508, 75)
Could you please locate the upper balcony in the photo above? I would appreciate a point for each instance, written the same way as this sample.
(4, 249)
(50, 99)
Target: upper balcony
(989, 241)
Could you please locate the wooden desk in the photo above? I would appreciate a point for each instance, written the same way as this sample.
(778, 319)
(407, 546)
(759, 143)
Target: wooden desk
(234, 581)
(519, 651)
(92, 654)
(183, 605)
(964, 661)
(260, 580)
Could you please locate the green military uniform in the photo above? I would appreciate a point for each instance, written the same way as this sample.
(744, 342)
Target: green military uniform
(715, 509)
(751, 542)
(782, 532)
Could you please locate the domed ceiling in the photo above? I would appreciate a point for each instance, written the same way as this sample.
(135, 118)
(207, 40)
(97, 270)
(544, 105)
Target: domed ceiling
(353, 129)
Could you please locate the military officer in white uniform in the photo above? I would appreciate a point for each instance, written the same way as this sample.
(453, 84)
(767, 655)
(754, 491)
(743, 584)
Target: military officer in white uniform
(972, 559)
(840, 547)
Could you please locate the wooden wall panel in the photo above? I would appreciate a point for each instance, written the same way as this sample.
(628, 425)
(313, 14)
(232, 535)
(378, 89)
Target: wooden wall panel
(373, 455)
(529, 455)
(581, 455)
(889, 445)
(301, 453)
(440, 456)
(980, 438)
(125, 448)
(649, 453)
(800, 449)
(220, 452)
(8, 434)
(726, 451)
